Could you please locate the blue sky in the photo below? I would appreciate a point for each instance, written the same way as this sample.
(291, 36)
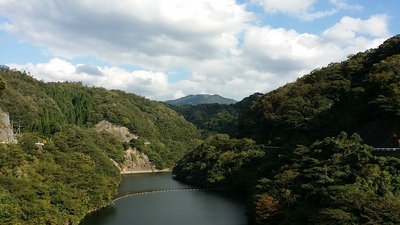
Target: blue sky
(168, 49)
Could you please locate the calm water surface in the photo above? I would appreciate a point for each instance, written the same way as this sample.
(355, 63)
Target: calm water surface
(169, 208)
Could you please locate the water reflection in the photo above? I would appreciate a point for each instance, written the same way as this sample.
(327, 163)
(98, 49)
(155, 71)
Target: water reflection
(169, 208)
(100, 216)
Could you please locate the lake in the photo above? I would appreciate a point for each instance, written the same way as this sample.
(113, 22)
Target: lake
(179, 207)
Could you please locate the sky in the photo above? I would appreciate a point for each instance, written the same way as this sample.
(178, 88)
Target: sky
(165, 50)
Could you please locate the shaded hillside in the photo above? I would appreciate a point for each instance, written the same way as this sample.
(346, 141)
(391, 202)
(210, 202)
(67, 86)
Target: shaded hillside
(380, 133)
(307, 166)
(46, 107)
(215, 118)
(201, 99)
(343, 96)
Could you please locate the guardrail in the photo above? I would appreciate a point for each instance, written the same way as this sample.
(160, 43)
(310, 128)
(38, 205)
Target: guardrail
(387, 149)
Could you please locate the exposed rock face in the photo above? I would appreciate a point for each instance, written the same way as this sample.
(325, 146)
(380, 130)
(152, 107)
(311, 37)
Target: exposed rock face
(135, 161)
(6, 131)
(121, 132)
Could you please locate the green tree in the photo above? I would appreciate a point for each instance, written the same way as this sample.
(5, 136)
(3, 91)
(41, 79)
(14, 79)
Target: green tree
(331, 182)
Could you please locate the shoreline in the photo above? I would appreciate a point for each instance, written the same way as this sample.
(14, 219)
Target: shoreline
(126, 173)
(146, 171)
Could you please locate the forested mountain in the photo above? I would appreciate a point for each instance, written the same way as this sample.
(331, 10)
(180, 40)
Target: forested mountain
(42, 107)
(292, 150)
(68, 171)
(343, 96)
(201, 99)
(215, 118)
(298, 159)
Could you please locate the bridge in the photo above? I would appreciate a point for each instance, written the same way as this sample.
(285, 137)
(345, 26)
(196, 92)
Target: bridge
(387, 149)
(168, 190)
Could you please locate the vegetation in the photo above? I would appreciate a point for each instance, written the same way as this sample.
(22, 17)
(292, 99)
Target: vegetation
(57, 183)
(68, 172)
(289, 149)
(215, 118)
(220, 161)
(334, 181)
(343, 96)
(304, 169)
(46, 107)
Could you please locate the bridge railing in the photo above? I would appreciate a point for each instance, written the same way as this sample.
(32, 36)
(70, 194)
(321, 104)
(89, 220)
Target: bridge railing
(387, 149)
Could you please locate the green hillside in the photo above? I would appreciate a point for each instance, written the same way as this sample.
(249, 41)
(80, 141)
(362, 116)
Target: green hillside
(343, 96)
(297, 153)
(215, 118)
(46, 107)
(70, 172)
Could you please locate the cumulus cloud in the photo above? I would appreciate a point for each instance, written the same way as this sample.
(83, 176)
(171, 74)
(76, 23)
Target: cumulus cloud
(153, 85)
(304, 9)
(88, 69)
(218, 44)
(154, 34)
(349, 28)
(293, 6)
(341, 4)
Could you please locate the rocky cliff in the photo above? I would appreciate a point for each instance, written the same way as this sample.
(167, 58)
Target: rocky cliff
(135, 161)
(6, 130)
(121, 132)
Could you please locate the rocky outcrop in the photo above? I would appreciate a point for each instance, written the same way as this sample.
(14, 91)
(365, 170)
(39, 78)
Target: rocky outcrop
(6, 130)
(135, 161)
(121, 132)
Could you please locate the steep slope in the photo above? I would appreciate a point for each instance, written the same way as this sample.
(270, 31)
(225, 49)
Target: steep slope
(46, 107)
(133, 160)
(59, 181)
(60, 168)
(215, 118)
(6, 130)
(343, 96)
(311, 168)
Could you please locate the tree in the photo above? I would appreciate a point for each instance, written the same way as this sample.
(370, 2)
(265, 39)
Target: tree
(333, 181)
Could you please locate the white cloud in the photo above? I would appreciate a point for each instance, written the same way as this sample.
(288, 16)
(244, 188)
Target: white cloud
(342, 4)
(153, 85)
(216, 43)
(349, 28)
(154, 34)
(302, 9)
(290, 6)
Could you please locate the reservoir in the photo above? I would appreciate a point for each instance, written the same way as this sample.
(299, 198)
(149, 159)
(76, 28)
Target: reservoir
(157, 199)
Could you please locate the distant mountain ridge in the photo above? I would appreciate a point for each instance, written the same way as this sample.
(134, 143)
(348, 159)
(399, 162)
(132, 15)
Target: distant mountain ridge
(201, 99)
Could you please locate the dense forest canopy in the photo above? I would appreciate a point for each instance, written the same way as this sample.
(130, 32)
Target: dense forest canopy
(60, 169)
(304, 162)
(46, 107)
(57, 183)
(215, 118)
(340, 97)
(294, 151)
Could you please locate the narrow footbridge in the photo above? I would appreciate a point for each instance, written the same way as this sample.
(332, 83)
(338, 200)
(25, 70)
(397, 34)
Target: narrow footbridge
(387, 149)
(169, 190)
